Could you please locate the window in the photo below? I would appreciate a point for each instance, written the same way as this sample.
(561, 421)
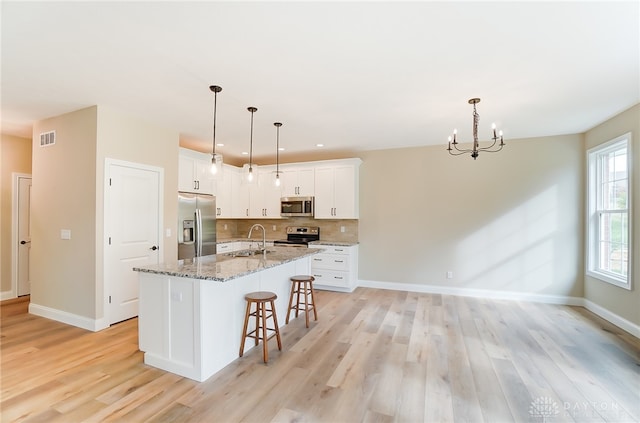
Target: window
(609, 202)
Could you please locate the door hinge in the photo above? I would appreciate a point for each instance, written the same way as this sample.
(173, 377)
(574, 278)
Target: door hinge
(109, 240)
(109, 299)
(109, 181)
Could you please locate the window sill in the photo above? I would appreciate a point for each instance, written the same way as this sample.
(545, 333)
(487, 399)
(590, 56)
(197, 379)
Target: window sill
(621, 283)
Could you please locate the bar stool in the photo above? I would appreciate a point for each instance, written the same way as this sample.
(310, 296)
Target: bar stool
(302, 285)
(261, 314)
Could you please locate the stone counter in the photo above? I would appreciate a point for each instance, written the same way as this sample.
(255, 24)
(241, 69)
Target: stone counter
(228, 266)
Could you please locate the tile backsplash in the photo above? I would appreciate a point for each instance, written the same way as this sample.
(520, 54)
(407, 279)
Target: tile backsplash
(330, 230)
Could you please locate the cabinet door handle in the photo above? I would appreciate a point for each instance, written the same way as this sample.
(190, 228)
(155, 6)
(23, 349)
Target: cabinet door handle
(339, 261)
(338, 277)
(338, 249)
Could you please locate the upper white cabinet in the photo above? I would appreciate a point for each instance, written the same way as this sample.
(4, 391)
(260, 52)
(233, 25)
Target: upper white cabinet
(336, 189)
(259, 199)
(224, 191)
(194, 172)
(298, 181)
(334, 183)
(264, 196)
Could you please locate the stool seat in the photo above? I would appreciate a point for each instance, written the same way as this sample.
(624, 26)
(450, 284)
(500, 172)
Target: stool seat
(261, 296)
(302, 289)
(261, 314)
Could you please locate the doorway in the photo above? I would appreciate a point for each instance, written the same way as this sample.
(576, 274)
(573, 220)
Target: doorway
(133, 222)
(21, 236)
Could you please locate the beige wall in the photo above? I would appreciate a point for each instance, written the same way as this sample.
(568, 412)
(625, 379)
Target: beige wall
(68, 193)
(63, 196)
(126, 138)
(620, 301)
(15, 157)
(508, 221)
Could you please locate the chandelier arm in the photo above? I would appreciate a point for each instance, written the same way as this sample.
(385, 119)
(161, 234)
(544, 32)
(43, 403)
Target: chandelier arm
(460, 152)
(487, 148)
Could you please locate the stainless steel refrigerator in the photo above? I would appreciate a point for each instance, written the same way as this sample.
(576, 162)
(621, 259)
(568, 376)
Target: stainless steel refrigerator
(196, 225)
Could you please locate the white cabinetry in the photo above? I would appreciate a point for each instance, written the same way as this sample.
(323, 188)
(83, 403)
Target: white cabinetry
(298, 181)
(224, 191)
(193, 172)
(264, 196)
(336, 268)
(336, 190)
(257, 200)
(227, 247)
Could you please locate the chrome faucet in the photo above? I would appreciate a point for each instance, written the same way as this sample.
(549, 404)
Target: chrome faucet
(264, 235)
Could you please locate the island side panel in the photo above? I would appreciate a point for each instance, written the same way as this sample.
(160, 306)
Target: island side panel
(169, 325)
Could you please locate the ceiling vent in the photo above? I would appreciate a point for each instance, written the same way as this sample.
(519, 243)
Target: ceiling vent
(47, 138)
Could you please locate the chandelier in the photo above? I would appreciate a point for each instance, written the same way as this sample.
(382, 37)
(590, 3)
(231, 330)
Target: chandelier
(475, 151)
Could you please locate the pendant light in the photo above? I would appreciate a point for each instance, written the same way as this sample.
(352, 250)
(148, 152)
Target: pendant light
(277, 180)
(216, 158)
(250, 172)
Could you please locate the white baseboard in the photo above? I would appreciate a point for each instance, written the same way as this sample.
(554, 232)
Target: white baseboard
(613, 318)
(608, 315)
(67, 318)
(470, 292)
(7, 295)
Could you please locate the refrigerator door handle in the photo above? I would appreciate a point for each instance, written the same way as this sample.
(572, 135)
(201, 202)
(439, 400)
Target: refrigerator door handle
(198, 233)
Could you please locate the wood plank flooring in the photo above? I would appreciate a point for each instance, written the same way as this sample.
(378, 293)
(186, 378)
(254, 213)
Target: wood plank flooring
(373, 356)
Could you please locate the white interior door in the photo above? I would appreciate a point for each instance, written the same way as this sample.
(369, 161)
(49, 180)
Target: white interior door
(133, 206)
(24, 235)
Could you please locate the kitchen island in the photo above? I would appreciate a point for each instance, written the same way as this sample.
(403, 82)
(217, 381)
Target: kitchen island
(191, 312)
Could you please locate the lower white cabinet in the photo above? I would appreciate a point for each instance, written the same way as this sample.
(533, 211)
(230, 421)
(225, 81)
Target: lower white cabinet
(227, 247)
(336, 268)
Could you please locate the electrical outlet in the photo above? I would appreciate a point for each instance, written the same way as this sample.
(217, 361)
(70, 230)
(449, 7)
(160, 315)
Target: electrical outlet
(65, 233)
(225, 226)
(449, 274)
(274, 228)
(167, 232)
(342, 229)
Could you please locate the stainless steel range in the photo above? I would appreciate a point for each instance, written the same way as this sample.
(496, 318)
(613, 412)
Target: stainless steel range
(299, 236)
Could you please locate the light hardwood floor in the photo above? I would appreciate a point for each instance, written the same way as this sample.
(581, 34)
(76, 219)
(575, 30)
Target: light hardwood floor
(373, 356)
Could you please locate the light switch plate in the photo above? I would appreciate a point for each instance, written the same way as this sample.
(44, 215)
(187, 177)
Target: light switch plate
(65, 233)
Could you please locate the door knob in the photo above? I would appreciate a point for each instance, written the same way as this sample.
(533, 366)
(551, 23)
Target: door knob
(25, 242)
(154, 248)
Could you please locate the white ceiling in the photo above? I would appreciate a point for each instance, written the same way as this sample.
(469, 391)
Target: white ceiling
(351, 75)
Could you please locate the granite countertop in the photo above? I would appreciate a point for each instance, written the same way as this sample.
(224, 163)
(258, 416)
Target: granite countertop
(333, 243)
(227, 266)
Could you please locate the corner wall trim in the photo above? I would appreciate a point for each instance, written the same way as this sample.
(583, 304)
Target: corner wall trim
(67, 318)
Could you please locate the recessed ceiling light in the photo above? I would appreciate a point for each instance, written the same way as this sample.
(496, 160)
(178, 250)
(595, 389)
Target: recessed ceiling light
(319, 145)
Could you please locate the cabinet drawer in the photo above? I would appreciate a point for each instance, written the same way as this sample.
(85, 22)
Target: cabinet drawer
(332, 249)
(330, 261)
(329, 278)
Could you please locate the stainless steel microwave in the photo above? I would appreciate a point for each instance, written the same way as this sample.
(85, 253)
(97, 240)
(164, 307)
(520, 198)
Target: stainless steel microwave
(296, 206)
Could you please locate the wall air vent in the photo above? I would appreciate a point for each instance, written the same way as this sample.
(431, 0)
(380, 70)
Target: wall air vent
(47, 138)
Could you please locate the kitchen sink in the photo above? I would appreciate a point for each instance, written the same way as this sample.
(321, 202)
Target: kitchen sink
(247, 253)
